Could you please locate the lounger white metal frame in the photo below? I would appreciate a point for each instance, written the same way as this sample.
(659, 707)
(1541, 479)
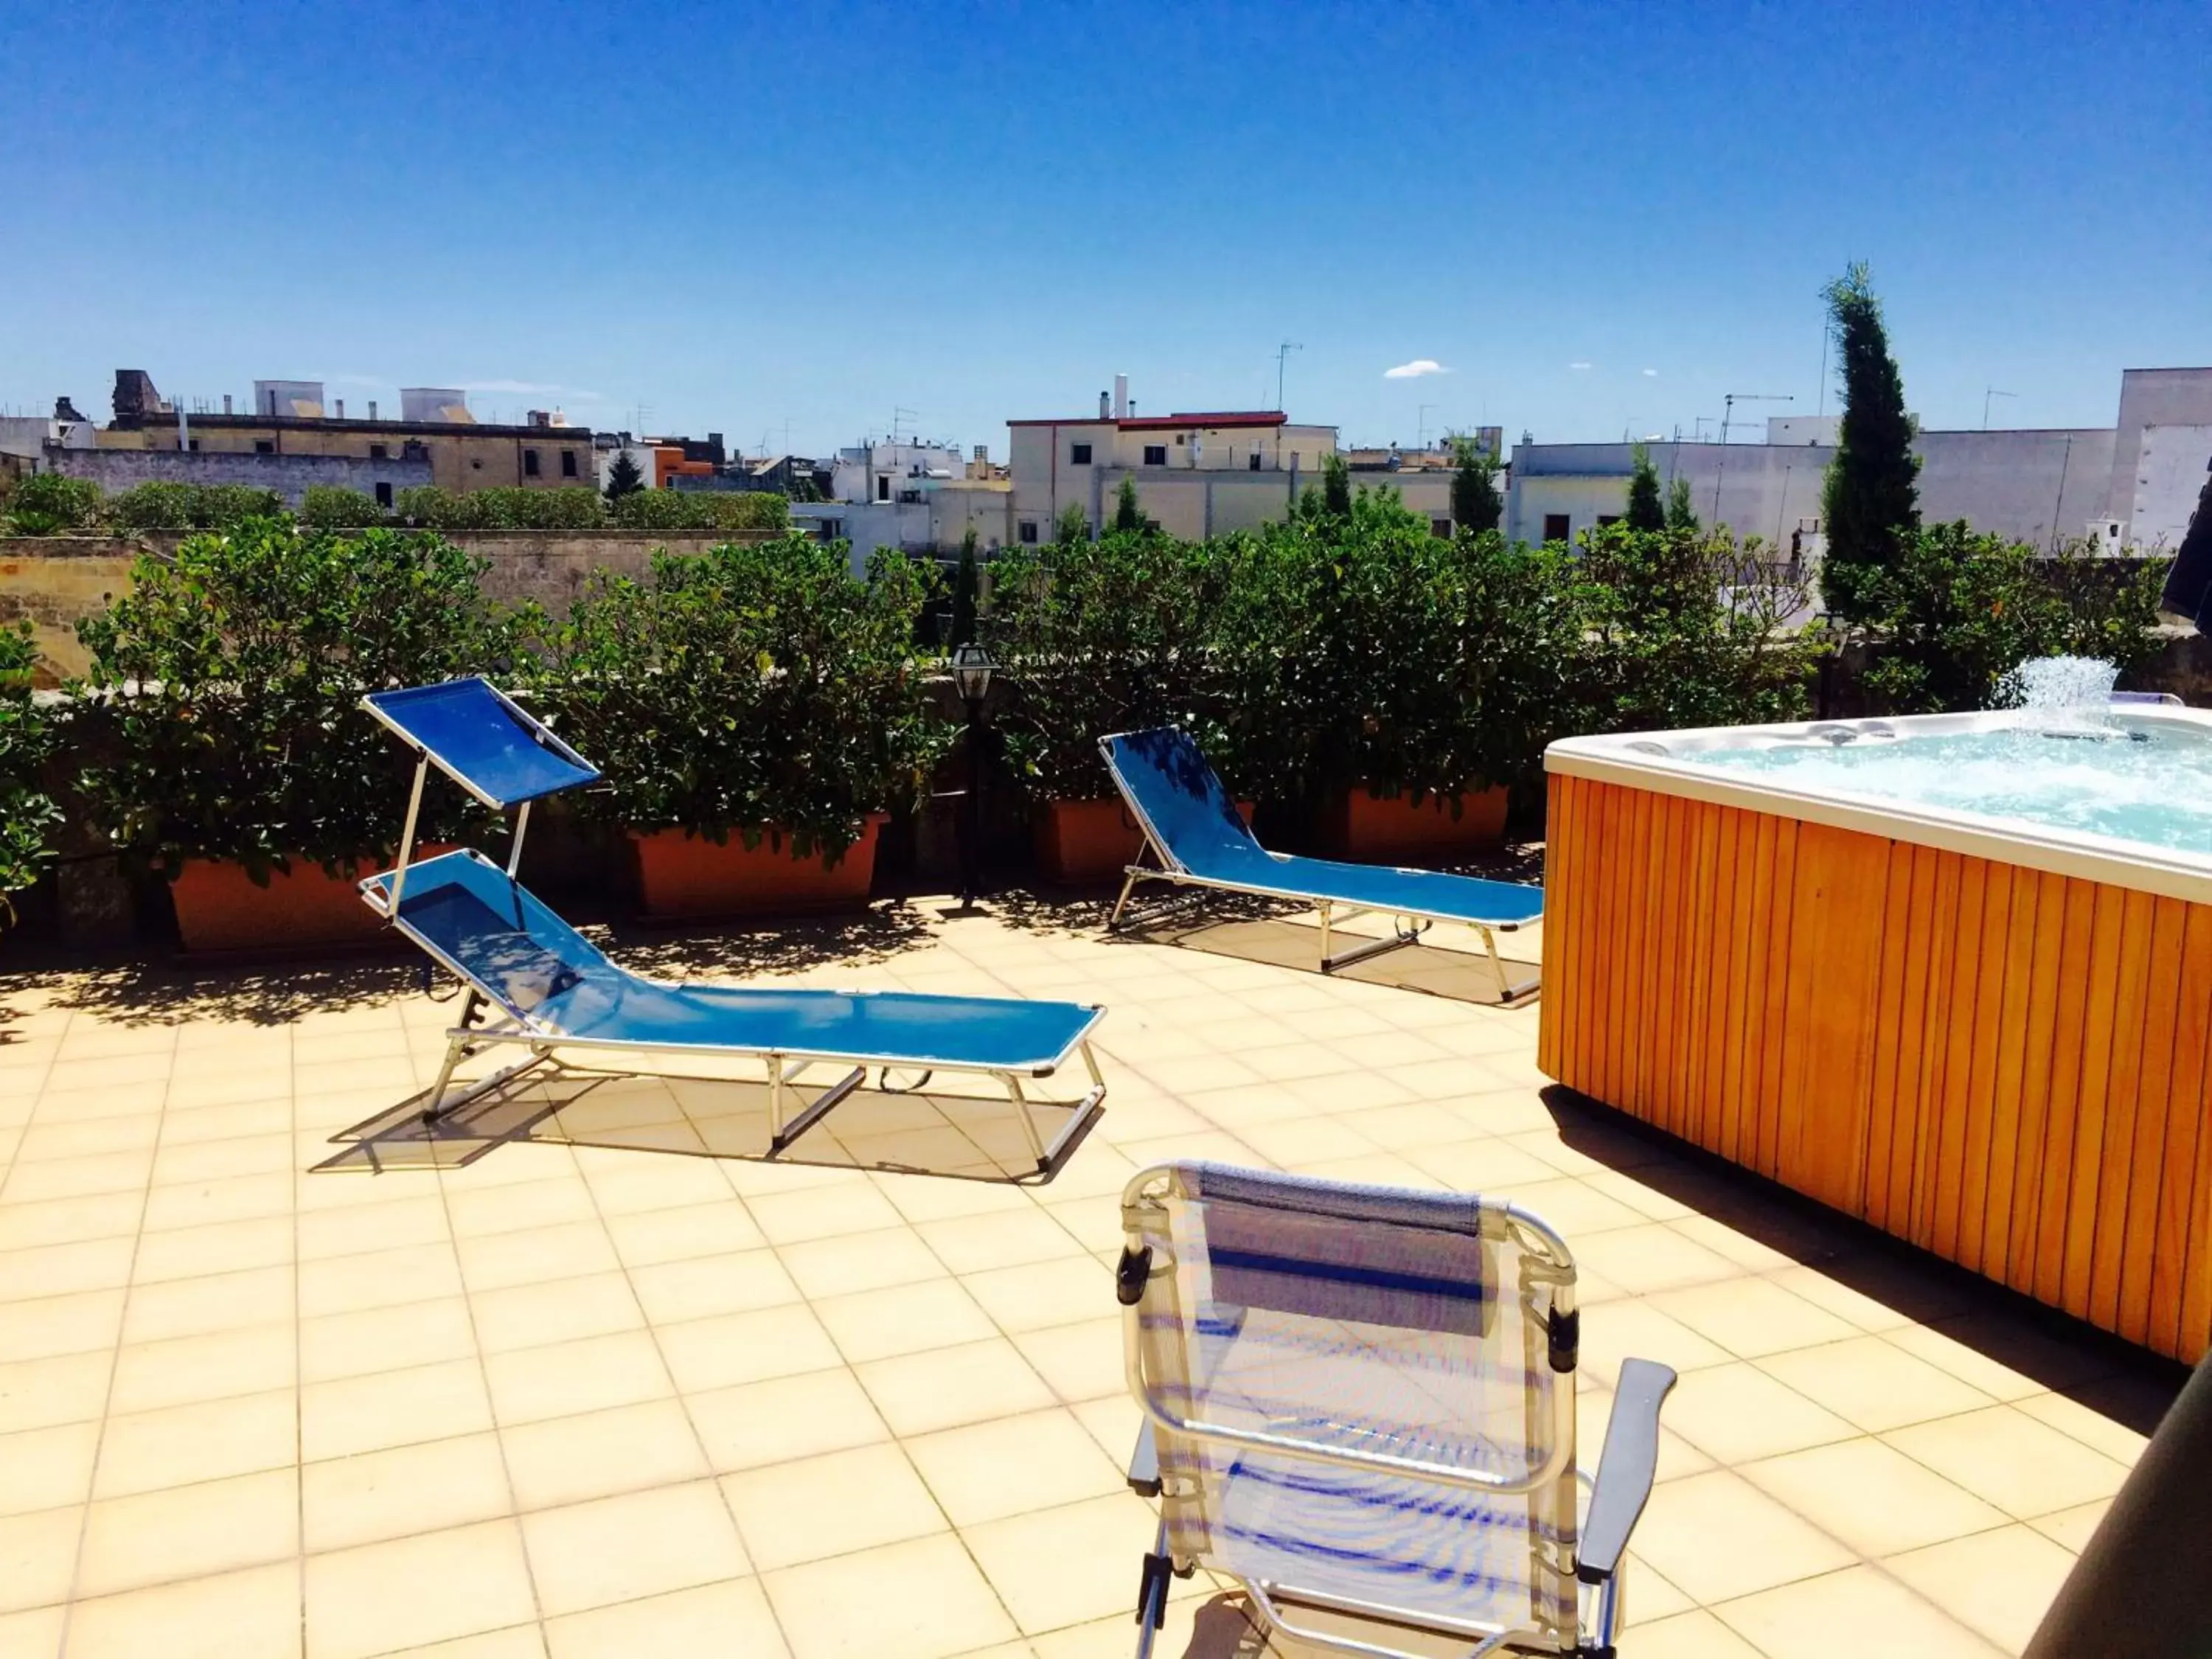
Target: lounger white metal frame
(1407, 925)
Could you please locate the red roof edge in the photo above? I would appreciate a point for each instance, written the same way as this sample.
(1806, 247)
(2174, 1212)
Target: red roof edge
(1215, 419)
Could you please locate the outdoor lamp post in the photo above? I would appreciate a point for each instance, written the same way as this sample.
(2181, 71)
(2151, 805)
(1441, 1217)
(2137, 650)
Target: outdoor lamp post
(972, 669)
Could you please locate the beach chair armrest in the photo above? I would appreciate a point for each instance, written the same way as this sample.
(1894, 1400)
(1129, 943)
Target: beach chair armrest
(1145, 1463)
(1624, 1469)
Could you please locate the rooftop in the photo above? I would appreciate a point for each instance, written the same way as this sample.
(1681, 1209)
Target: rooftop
(599, 1381)
(1215, 420)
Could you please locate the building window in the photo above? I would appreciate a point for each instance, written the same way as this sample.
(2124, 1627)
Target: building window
(529, 462)
(1604, 518)
(1029, 532)
(1156, 454)
(567, 463)
(194, 444)
(882, 486)
(1441, 528)
(264, 446)
(380, 453)
(1556, 527)
(1079, 455)
(384, 496)
(1255, 460)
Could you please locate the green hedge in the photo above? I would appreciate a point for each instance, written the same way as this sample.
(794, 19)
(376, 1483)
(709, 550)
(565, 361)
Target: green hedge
(702, 509)
(163, 506)
(330, 507)
(48, 504)
(568, 506)
(27, 737)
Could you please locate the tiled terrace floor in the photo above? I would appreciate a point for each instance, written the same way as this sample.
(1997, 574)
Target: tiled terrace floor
(570, 1400)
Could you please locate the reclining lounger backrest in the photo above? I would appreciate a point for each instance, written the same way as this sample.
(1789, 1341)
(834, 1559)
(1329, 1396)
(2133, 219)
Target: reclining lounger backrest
(1177, 796)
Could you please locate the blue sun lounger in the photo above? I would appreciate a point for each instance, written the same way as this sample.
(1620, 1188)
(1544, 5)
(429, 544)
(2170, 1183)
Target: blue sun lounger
(554, 992)
(1196, 837)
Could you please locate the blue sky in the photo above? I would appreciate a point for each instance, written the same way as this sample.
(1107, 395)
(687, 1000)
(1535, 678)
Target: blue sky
(1594, 218)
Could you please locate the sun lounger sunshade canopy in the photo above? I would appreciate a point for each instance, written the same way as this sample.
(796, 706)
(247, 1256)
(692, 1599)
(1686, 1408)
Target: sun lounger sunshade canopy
(477, 737)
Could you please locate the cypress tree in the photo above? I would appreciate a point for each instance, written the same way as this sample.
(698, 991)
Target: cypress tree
(1681, 515)
(624, 477)
(1871, 499)
(1475, 503)
(1128, 514)
(1645, 510)
(1336, 487)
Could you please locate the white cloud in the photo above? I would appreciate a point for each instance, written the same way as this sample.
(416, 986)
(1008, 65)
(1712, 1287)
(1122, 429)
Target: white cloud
(1415, 370)
(1578, 365)
(1651, 374)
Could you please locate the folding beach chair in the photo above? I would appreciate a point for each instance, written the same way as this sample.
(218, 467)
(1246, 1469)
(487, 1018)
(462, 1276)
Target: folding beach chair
(1194, 836)
(554, 992)
(1360, 1402)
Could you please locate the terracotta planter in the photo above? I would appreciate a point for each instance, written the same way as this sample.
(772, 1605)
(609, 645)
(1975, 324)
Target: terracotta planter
(681, 874)
(1373, 829)
(1080, 842)
(220, 907)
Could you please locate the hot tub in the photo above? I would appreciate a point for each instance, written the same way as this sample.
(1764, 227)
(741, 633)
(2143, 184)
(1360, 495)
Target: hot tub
(1951, 974)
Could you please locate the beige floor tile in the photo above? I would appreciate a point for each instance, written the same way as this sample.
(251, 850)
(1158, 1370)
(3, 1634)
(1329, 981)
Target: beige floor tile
(526, 1641)
(373, 1496)
(400, 1276)
(96, 1264)
(37, 1394)
(569, 1460)
(920, 1200)
(1874, 1384)
(833, 1505)
(193, 1161)
(1651, 1258)
(923, 1598)
(181, 1445)
(336, 1346)
(187, 1369)
(65, 1220)
(860, 1261)
(225, 1246)
(82, 1323)
(1735, 1413)
(533, 1255)
(717, 1227)
(977, 1244)
(944, 1387)
(219, 1301)
(189, 1532)
(358, 1415)
(729, 1349)
(904, 1319)
(1694, 1635)
(37, 1552)
(2087, 1425)
(785, 1417)
(1753, 1317)
(637, 1544)
(1832, 1617)
(1871, 1497)
(571, 1378)
(1038, 1295)
(826, 1212)
(254, 1614)
(2025, 1468)
(33, 1634)
(412, 1591)
(1715, 1537)
(46, 1468)
(537, 1316)
(1999, 1583)
(2073, 1528)
(988, 1471)
(704, 1286)
(234, 1198)
(1078, 1362)
(80, 1137)
(731, 1618)
(1055, 1567)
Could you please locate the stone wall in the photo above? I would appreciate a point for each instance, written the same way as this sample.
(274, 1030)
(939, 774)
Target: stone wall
(290, 476)
(56, 579)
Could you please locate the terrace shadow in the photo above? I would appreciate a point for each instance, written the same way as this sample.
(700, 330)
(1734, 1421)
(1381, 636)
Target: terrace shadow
(2092, 1367)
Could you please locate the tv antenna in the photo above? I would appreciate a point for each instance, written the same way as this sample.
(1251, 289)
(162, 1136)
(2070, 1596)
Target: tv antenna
(1282, 356)
(1729, 402)
(897, 415)
(1424, 436)
(1988, 392)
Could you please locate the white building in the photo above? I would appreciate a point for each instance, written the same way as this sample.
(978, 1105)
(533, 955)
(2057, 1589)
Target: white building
(918, 497)
(1196, 474)
(2132, 484)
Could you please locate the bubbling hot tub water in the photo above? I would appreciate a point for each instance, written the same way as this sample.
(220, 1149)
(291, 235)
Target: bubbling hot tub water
(2066, 759)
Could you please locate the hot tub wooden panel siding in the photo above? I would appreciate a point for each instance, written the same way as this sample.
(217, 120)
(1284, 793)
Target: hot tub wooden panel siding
(2006, 1067)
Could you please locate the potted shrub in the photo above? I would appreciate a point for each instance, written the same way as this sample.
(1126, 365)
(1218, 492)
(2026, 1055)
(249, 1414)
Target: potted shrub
(757, 711)
(229, 749)
(1095, 637)
(27, 811)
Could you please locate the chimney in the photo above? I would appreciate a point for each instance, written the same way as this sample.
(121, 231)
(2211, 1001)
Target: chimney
(340, 409)
(1105, 406)
(1120, 397)
(372, 409)
(226, 403)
